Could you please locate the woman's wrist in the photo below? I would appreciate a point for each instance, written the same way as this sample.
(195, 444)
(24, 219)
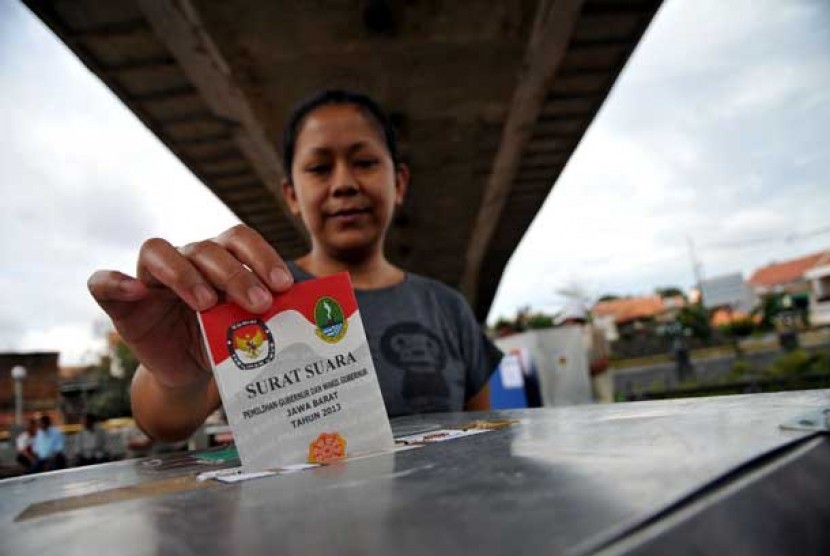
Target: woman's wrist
(168, 412)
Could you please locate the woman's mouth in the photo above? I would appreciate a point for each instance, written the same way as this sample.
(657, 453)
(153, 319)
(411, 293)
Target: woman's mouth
(347, 215)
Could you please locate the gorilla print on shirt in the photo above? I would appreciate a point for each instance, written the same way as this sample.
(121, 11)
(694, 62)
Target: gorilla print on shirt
(421, 355)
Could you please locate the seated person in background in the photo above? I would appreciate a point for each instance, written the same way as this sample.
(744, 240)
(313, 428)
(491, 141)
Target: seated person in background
(92, 443)
(24, 443)
(49, 446)
(344, 180)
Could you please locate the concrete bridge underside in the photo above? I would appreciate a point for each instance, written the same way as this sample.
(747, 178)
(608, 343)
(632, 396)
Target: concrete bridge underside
(490, 98)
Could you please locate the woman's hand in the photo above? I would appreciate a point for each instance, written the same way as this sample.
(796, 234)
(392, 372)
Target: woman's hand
(155, 313)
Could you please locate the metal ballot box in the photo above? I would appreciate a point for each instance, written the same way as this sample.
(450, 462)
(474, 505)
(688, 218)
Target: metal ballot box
(693, 476)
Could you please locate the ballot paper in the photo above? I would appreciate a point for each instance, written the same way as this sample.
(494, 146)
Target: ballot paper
(297, 383)
(441, 435)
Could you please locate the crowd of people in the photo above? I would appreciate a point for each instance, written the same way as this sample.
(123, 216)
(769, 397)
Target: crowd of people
(42, 445)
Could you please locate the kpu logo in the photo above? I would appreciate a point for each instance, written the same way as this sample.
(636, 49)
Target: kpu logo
(330, 321)
(250, 344)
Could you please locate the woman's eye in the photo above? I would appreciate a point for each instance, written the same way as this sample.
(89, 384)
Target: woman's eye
(366, 162)
(318, 169)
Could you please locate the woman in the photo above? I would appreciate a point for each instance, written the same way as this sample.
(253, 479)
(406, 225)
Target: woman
(344, 181)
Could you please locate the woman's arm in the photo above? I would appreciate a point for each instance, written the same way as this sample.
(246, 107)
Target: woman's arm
(479, 402)
(155, 314)
(170, 414)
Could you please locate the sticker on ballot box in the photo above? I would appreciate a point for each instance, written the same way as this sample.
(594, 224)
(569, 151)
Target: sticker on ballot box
(297, 383)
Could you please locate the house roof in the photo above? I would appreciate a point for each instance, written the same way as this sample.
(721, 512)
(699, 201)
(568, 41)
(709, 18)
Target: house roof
(631, 308)
(722, 316)
(778, 274)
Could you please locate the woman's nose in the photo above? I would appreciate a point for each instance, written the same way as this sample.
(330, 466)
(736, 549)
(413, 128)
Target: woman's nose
(344, 182)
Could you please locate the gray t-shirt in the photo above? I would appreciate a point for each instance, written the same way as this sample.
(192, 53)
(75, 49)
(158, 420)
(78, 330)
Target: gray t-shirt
(429, 352)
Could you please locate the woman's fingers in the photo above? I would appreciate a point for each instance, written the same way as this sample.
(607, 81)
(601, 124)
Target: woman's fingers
(251, 248)
(239, 262)
(161, 264)
(115, 292)
(229, 274)
(110, 285)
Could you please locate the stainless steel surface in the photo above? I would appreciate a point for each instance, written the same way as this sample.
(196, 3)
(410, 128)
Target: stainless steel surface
(566, 480)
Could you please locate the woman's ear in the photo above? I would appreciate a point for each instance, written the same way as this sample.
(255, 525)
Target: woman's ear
(401, 183)
(290, 195)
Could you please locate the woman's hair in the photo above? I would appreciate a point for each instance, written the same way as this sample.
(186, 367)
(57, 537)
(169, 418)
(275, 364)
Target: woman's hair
(334, 96)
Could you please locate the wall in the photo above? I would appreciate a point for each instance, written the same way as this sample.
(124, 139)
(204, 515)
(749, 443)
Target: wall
(40, 387)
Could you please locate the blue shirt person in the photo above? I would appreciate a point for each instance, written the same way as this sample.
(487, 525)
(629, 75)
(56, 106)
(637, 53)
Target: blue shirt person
(48, 446)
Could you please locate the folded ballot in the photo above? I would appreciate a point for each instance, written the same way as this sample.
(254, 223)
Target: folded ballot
(297, 383)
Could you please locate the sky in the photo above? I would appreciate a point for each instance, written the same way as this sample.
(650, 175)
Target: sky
(713, 140)
(714, 137)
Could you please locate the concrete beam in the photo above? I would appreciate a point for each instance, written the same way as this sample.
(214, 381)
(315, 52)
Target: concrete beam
(177, 24)
(552, 31)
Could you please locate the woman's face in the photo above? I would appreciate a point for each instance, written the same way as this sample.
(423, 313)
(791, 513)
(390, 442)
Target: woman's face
(345, 185)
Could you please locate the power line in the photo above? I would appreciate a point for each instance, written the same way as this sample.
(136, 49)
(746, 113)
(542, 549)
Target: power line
(697, 267)
(789, 238)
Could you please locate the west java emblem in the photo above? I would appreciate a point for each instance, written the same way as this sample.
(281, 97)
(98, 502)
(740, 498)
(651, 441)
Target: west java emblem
(250, 344)
(329, 446)
(330, 321)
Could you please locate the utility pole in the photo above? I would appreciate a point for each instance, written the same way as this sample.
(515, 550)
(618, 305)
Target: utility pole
(697, 268)
(18, 375)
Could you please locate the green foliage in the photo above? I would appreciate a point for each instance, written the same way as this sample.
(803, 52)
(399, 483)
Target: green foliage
(770, 307)
(670, 291)
(128, 362)
(609, 297)
(539, 321)
(739, 328)
(695, 317)
(657, 385)
(112, 398)
(525, 320)
(740, 369)
(799, 362)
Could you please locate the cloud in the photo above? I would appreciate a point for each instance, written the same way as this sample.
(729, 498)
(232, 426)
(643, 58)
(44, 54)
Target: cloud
(716, 132)
(755, 222)
(715, 135)
(83, 183)
(77, 342)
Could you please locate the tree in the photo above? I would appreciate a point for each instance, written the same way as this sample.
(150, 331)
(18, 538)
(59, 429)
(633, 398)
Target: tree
(609, 297)
(112, 398)
(504, 327)
(771, 306)
(670, 291)
(539, 321)
(525, 319)
(739, 328)
(695, 317)
(124, 359)
(736, 331)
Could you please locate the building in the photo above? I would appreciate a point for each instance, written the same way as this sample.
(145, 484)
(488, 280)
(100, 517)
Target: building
(788, 276)
(819, 279)
(620, 317)
(77, 386)
(40, 387)
(729, 292)
(807, 281)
